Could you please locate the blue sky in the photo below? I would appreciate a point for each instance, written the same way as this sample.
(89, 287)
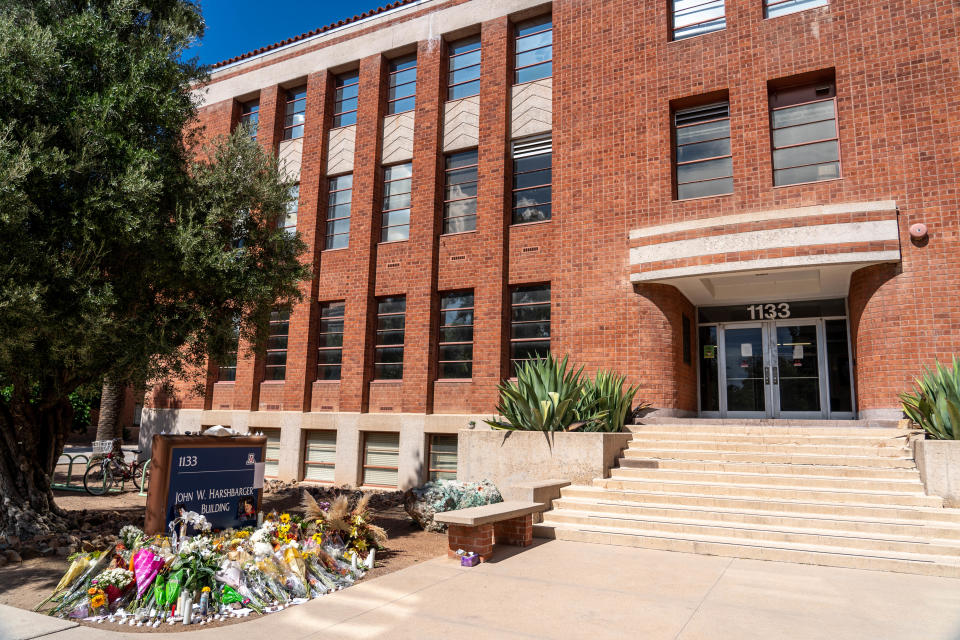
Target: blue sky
(238, 26)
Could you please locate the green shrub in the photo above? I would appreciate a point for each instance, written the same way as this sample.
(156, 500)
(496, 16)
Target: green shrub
(550, 395)
(935, 402)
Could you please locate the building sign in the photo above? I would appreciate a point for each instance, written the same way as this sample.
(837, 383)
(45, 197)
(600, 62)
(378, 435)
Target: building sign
(773, 311)
(218, 478)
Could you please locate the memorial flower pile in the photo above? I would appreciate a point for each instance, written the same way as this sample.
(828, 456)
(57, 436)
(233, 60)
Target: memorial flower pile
(196, 575)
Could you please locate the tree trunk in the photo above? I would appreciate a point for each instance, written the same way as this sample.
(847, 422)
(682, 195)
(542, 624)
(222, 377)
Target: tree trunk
(32, 436)
(108, 424)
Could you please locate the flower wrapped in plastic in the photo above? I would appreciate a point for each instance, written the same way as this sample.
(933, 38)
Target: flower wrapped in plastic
(293, 583)
(114, 582)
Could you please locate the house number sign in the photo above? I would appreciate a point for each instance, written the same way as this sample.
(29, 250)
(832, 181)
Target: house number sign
(769, 311)
(764, 311)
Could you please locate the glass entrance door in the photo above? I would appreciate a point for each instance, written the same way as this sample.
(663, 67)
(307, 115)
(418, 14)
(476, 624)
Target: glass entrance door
(796, 369)
(744, 362)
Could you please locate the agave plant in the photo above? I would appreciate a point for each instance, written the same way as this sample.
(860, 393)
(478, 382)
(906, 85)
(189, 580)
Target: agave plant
(935, 402)
(605, 395)
(547, 396)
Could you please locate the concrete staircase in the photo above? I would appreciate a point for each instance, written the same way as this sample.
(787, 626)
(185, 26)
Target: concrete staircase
(827, 495)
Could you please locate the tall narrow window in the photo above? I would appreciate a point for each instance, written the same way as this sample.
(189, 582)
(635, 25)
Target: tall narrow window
(294, 114)
(271, 466)
(529, 324)
(279, 329)
(464, 71)
(460, 192)
(803, 123)
(250, 117)
(533, 50)
(532, 177)
(395, 221)
(289, 219)
(320, 456)
(227, 371)
(774, 8)
(442, 464)
(697, 17)
(330, 342)
(704, 164)
(456, 335)
(340, 195)
(346, 88)
(388, 353)
(402, 84)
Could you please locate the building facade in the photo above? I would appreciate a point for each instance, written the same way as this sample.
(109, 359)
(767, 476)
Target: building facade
(715, 199)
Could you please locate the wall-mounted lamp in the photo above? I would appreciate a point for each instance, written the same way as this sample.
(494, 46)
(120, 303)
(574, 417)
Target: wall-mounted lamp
(918, 231)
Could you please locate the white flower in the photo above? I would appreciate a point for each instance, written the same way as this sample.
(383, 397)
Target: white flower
(262, 549)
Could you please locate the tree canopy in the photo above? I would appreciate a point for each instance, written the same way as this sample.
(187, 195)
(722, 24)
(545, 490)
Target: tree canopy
(127, 251)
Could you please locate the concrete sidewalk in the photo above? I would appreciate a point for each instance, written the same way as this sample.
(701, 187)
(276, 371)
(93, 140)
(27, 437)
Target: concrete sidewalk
(566, 590)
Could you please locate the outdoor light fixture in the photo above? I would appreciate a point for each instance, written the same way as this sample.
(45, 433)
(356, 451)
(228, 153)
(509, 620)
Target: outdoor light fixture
(918, 231)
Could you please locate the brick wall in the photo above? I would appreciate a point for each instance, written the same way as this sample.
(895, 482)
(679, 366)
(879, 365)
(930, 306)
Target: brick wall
(615, 76)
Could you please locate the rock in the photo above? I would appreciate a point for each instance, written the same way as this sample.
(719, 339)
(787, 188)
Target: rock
(12, 556)
(46, 552)
(29, 552)
(13, 541)
(422, 503)
(64, 552)
(3, 560)
(87, 546)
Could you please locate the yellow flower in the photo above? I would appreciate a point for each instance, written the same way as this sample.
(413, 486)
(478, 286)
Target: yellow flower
(285, 517)
(361, 544)
(205, 590)
(284, 529)
(98, 601)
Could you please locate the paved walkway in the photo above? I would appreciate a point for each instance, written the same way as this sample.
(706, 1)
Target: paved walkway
(575, 590)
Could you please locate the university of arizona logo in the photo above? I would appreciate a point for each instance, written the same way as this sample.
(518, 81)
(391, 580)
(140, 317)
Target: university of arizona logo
(250, 459)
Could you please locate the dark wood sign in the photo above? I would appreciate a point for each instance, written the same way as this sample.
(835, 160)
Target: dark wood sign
(217, 477)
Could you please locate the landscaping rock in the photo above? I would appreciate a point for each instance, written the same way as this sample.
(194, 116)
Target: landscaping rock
(422, 503)
(3, 560)
(12, 556)
(64, 552)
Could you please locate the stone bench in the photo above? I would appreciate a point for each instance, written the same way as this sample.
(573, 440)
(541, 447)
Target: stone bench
(477, 529)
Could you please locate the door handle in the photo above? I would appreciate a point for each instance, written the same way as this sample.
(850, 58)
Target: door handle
(766, 375)
(776, 374)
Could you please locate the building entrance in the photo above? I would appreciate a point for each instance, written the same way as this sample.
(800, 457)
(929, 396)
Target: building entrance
(775, 360)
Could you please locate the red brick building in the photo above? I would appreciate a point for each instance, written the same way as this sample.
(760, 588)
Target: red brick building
(713, 198)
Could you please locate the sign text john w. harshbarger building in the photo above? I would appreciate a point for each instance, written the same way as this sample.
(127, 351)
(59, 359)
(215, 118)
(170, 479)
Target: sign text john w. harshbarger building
(714, 198)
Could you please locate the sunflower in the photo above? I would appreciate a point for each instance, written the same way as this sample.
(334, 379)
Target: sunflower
(98, 601)
(285, 518)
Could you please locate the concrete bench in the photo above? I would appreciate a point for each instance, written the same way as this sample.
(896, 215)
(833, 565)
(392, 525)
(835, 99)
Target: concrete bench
(477, 529)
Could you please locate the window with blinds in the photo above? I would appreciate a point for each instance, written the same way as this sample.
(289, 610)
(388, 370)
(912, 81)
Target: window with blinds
(271, 467)
(381, 456)
(443, 457)
(703, 163)
(803, 128)
(320, 456)
(774, 8)
(697, 17)
(532, 179)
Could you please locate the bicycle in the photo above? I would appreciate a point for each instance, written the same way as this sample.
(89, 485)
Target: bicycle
(105, 472)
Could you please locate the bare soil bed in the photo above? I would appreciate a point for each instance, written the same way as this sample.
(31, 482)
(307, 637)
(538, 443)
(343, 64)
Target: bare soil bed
(25, 584)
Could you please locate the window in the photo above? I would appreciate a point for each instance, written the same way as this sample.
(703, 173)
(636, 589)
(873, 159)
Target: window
(346, 88)
(271, 467)
(529, 324)
(697, 17)
(279, 328)
(320, 456)
(402, 84)
(330, 342)
(381, 455)
(340, 195)
(289, 219)
(460, 192)
(395, 221)
(294, 114)
(774, 8)
(388, 353)
(464, 70)
(803, 124)
(534, 50)
(456, 335)
(227, 371)
(703, 163)
(250, 117)
(442, 463)
(532, 175)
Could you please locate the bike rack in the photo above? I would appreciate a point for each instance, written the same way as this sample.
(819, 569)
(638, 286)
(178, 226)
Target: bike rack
(68, 485)
(143, 476)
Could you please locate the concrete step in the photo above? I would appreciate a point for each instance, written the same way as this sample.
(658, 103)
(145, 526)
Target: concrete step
(896, 449)
(801, 493)
(770, 479)
(814, 428)
(745, 517)
(772, 535)
(877, 473)
(903, 462)
(799, 505)
(925, 564)
(769, 438)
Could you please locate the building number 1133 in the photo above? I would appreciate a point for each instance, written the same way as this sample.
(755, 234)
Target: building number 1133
(769, 311)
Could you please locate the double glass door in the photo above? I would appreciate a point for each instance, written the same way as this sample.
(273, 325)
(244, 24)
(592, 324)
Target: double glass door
(775, 369)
